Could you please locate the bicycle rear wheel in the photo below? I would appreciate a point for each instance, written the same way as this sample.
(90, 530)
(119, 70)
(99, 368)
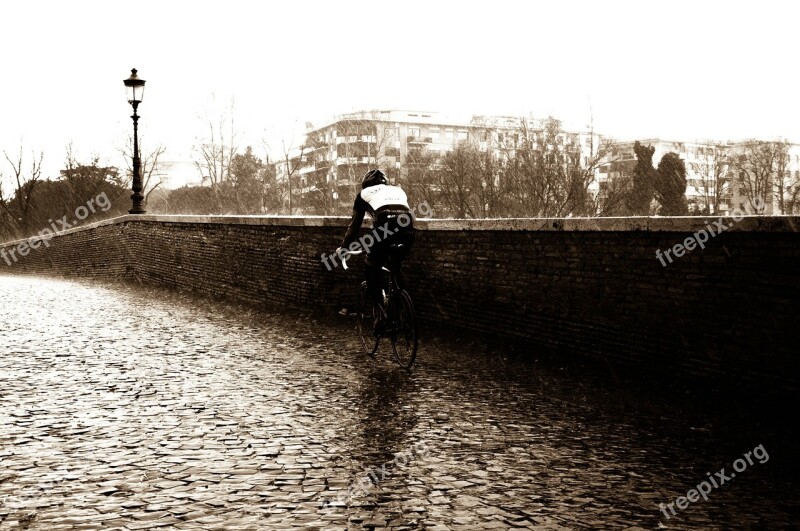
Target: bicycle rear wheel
(366, 321)
(404, 330)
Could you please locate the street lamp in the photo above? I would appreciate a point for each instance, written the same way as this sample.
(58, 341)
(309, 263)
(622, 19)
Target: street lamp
(135, 89)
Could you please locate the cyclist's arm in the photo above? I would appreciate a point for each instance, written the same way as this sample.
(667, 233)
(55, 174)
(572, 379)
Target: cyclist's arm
(353, 229)
(355, 223)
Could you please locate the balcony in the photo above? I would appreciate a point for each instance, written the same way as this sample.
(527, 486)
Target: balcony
(419, 140)
(306, 170)
(319, 165)
(340, 161)
(352, 139)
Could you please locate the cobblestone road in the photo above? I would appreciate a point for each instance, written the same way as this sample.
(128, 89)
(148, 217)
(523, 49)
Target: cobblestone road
(128, 408)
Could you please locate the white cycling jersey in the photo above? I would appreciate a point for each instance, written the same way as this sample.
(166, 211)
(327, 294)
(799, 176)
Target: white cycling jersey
(383, 195)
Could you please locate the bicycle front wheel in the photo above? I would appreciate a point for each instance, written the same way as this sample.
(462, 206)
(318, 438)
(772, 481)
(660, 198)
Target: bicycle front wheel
(404, 330)
(366, 321)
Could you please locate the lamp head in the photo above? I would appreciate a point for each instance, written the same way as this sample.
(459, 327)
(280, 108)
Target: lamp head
(134, 86)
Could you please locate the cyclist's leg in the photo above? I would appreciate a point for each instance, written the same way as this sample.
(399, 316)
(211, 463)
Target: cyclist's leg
(376, 258)
(405, 238)
(372, 270)
(373, 274)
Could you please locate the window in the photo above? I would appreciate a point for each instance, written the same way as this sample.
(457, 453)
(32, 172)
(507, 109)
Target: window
(448, 134)
(413, 131)
(462, 135)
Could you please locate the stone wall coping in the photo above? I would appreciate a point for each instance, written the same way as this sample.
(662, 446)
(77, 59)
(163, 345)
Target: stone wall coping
(687, 224)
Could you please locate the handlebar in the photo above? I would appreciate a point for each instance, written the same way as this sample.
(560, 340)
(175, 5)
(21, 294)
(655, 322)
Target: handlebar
(344, 253)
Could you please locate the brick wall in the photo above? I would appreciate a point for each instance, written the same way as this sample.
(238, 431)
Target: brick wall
(591, 286)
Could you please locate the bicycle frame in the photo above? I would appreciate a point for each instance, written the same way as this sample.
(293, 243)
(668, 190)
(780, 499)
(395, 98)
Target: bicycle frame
(398, 313)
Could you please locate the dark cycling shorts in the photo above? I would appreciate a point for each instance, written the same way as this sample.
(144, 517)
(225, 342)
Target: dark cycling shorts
(393, 233)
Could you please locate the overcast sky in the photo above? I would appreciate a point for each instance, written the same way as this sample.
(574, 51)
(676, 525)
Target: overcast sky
(678, 69)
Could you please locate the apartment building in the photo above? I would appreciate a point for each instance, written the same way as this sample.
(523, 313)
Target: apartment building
(329, 167)
(338, 153)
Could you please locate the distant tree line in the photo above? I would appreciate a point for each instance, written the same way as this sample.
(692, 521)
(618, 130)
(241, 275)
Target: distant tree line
(538, 174)
(29, 202)
(531, 172)
(245, 185)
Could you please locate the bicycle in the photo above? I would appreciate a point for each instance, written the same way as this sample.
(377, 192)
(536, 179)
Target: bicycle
(397, 321)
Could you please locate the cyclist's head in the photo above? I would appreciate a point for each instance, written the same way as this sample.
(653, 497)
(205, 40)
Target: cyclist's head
(372, 178)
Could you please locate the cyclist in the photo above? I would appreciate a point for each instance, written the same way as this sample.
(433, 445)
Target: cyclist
(393, 224)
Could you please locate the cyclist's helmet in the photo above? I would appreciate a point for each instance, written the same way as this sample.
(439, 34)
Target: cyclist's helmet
(372, 178)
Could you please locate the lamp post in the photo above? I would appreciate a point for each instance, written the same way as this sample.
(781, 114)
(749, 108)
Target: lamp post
(135, 89)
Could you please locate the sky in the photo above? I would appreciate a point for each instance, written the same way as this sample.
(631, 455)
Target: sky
(680, 70)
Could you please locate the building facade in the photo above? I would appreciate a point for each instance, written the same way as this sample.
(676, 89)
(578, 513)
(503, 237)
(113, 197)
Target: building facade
(324, 175)
(326, 172)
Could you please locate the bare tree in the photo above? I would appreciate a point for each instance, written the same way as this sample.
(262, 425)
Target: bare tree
(420, 180)
(714, 178)
(19, 209)
(466, 182)
(787, 186)
(486, 183)
(292, 159)
(214, 153)
(456, 180)
(611, 198)
(754, 167)
(545, 170)
(273, 192)
(582, 175)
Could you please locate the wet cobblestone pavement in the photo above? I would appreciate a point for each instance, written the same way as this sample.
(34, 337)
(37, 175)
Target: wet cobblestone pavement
(126, 408)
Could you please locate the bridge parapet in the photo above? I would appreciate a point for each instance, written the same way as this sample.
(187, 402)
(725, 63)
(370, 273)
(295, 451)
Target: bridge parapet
(683, 294)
